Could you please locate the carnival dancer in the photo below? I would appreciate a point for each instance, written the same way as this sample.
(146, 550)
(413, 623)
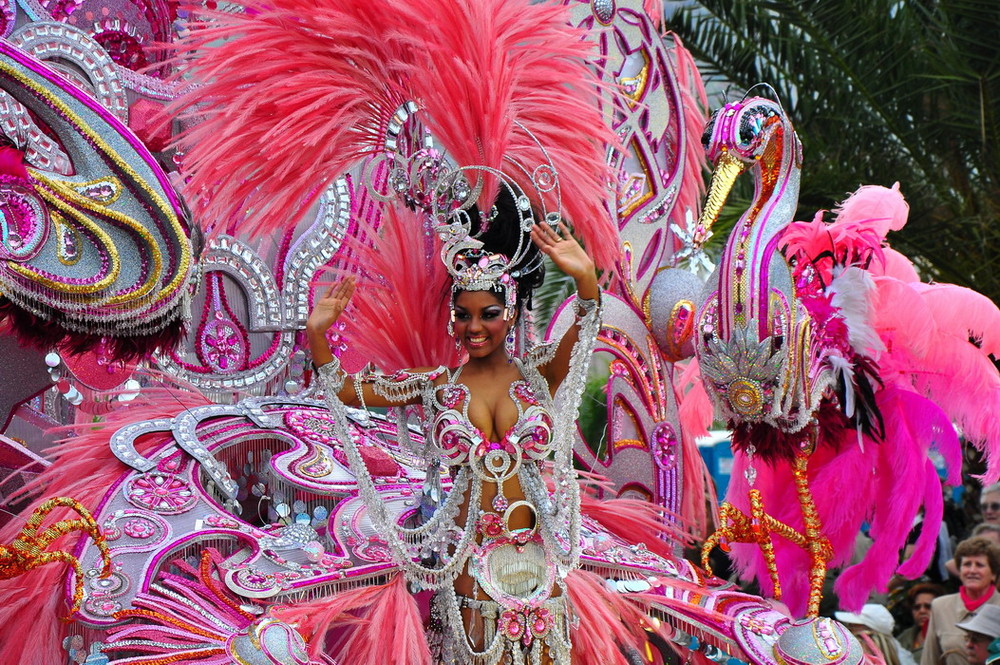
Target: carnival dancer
(493, 421)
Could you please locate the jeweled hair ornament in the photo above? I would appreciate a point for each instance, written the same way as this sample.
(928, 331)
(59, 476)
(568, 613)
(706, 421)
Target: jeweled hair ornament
(477, 270)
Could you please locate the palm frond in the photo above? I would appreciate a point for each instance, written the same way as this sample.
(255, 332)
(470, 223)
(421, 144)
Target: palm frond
(880, 91)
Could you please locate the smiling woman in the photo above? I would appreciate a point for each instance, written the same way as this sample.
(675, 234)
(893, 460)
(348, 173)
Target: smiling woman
(490, 551)
(978, 566)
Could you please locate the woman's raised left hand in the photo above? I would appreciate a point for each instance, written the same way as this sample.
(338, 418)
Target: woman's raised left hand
(564, 250)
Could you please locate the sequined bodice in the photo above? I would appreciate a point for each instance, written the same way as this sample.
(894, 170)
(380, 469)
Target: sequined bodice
(529, 438)
(513, 541)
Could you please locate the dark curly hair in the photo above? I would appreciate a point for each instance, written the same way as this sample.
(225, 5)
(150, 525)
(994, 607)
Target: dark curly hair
(501, 234)
(924, 587)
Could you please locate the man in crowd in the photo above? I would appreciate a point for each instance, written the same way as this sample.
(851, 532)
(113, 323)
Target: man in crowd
(980, 631)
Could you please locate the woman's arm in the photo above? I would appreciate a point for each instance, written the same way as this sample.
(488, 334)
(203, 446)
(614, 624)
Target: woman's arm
(326, 310)
(569, 257)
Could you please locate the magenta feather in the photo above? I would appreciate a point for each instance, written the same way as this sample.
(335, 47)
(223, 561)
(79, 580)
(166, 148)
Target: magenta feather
(855, 237)
(927, 541)
(884, 483)
(839, 512)
(327, 78)
(902, 474)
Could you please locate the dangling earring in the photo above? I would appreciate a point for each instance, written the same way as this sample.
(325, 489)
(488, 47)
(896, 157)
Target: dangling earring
(510, 343)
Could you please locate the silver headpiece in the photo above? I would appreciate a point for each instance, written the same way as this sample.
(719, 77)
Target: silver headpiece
(424, 177)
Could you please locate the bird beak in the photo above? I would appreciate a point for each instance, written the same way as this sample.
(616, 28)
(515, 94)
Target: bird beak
(727, 169)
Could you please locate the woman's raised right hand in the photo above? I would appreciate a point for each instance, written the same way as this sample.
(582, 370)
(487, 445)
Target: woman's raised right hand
(328, 307)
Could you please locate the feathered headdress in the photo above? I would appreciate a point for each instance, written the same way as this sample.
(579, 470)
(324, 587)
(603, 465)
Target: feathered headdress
(290, 95)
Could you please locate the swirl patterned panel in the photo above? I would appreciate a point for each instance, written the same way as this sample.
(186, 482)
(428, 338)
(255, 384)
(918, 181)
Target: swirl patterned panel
(99, 247)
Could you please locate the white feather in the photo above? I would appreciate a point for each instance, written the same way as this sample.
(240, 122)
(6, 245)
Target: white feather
(845, 369)
(851, 292)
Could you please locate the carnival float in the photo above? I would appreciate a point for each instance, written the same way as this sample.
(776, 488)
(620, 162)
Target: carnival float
(181, 185)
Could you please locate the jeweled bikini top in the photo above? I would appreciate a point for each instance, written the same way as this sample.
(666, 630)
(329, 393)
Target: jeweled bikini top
(529, 438)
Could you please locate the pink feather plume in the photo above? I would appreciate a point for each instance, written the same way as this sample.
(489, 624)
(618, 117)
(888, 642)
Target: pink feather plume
(375, 625)
(402, 292)
(636, 521)
(83, 468)
(895, 265)
(963, 313)
(927, 329)
(695, 413)
(881, 209)
(694, 115)
(654, 10)
(902, 478)
(490, 77)
(885, 483)
(606, 620)
(633, 520)
(930, 376)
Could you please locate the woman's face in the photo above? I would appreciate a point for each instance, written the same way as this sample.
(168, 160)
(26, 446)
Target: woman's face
(922, 608)
(479, 323)
(975, 573)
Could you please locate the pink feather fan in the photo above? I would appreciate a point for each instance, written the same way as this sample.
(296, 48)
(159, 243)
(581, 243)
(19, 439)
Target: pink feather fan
(494, 80)
(374, 625)
(938, 338)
